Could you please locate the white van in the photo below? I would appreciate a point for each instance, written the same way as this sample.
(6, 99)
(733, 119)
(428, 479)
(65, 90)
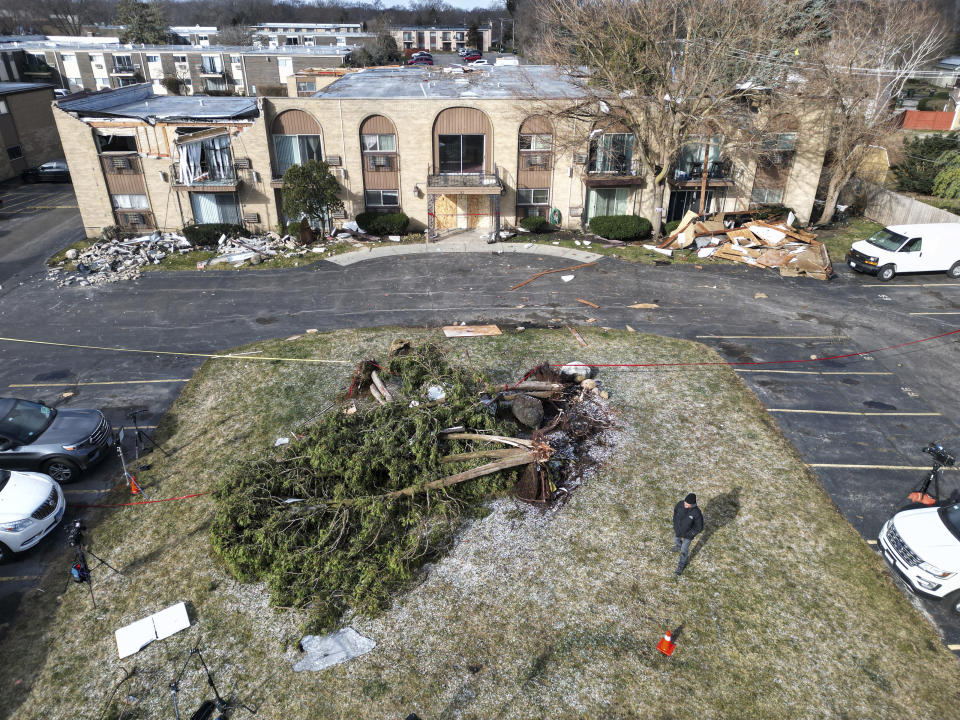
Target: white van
(923, 545)
(908, 248)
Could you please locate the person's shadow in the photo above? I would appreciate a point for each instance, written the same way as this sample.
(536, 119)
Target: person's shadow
(719, 511)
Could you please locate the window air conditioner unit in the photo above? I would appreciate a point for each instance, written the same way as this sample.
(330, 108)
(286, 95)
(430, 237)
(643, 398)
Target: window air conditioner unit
(377, 161)
(538, 161)
(121, 164)
(580, 159)
(242, 163)
(576, 211)
(251, 217)
(338, 214)
(136, 219)
(333, 160)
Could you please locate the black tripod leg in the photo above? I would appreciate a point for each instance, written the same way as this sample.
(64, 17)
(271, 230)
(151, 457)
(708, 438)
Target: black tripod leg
(90, 588)
(153, 443)
(103, 562)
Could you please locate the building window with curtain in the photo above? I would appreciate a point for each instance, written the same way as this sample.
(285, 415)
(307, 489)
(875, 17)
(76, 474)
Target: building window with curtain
(215, 207)
(295, 150)
(607, 201)
(612, 153)
(129, 202)
(208, 161)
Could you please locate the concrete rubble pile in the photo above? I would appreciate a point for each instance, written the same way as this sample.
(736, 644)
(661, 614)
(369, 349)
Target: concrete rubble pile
(759, 243)
(110, 261)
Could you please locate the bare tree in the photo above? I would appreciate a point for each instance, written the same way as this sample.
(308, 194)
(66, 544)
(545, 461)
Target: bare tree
(671, 71)
(874, 48)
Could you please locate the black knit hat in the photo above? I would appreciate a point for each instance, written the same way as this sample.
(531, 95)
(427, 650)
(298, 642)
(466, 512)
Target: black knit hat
(691, 499)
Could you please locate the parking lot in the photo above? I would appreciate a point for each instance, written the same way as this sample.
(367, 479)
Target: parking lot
(858, 422)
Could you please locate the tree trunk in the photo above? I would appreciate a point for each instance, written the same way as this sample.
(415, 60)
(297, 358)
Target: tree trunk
(839, 179)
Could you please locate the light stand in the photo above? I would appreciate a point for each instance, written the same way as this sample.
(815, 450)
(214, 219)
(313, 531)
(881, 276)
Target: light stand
(206, 709)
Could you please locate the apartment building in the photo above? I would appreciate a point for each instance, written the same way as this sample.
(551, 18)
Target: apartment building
(99, 66)
(451, 150)
(27, 130)
(439, 39)
(201, 36)
(309, 34)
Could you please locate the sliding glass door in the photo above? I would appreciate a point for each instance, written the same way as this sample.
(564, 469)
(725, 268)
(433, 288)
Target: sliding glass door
(460, 154)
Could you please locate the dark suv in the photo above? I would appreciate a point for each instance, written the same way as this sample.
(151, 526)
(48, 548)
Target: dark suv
(61, 443)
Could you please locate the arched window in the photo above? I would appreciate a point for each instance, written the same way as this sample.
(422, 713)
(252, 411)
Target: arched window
(534, 167)
(462, 142)
(381, 163)
(297, 138)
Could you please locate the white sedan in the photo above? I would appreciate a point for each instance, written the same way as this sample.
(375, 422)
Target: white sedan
(31, 506)
(478, 63)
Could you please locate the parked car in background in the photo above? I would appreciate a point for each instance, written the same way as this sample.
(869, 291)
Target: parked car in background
(420, 61)
(31, 506)
(479, 63)
(59, 442)
(930, 247)
(53, 171)
(60, 92)
(471, 56)
(422, 53)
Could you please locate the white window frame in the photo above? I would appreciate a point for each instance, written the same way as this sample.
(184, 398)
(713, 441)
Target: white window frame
(127, 201)
(378, 139)
(378, 194)
(538, 142)
(153, 58)
(528, 196)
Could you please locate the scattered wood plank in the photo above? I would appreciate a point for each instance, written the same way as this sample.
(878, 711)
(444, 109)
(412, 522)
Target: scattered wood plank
(587, 302)
(547, 272)
(520, 457)
(470, 330)
(516, 442)
(576, 335)
(381, 387)
(479, 455)
(643, 306)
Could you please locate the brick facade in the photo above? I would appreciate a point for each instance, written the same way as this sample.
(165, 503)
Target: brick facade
(29, 125)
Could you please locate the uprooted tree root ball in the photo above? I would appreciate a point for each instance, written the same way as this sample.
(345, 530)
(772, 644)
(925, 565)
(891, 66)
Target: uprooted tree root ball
(347, 513)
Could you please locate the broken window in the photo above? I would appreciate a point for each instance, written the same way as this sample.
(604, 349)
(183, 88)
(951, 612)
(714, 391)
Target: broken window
(295, 150)
(117, 143)
(208, 160)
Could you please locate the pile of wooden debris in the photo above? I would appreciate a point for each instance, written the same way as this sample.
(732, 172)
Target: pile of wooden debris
(755, 242)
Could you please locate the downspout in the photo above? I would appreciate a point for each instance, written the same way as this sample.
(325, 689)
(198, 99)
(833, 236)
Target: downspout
(343, 156)
(243, 69)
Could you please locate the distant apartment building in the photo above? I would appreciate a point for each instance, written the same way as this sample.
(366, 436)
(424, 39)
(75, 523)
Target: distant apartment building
(195, 35)
(451, 150)
(309, 34)
(240, 70)
(439, 39)
(27, 130)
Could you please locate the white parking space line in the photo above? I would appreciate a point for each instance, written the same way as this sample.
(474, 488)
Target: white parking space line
(19, 578)
(842, 466)
(815, 372)
(907, 287)
(102, 382)
(935, 313)
(92, 491)
(854, 412)
(871, 542)
(771, 337)
(142, 427)
(953, 647)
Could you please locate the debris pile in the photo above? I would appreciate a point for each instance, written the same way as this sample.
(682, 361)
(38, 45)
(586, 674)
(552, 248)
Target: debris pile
(755, 242)
(109, 261)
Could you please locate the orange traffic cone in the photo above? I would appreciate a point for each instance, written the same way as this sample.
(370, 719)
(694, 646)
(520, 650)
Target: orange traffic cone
(134, 488)
(666, 644)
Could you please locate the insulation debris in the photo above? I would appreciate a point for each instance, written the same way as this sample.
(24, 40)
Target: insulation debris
(110, 261)
(792, 251)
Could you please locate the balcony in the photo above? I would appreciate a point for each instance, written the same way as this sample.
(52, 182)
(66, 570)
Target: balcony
(689, 173)
(209, 70)
(124, 70)
(208, 179)
(463, 183)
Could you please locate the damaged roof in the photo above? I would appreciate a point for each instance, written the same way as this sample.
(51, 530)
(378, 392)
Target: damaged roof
(139, 101)
(488, 82)
(9, 88)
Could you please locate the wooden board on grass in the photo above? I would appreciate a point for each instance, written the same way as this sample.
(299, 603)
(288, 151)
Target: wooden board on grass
(470, 330)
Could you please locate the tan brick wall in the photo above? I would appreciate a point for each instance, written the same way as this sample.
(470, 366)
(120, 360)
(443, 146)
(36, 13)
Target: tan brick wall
(33, 114)
(89, 186)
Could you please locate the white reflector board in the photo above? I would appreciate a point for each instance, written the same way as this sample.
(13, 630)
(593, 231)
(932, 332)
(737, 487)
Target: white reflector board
(136, 636)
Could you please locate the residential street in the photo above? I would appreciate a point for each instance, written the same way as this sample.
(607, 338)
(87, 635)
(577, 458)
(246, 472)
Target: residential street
(859, 422)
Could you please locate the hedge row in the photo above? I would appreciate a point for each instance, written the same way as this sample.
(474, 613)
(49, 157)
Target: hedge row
(209, 233)
(383, 223)
(621, 227)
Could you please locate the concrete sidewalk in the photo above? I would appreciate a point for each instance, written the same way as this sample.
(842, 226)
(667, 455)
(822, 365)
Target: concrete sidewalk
(466, 245)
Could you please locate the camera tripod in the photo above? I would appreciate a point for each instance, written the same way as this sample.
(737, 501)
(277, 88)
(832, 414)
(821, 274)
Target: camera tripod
(206, 710)
(80, 570)
(143, 443)
(941, 459)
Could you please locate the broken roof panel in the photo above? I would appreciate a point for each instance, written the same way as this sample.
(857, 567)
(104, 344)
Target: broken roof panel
(9, 88)
(488, 82)
(138, 101)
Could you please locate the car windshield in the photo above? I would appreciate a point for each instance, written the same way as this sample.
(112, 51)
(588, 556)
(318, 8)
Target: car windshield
(886, 240)
(950, 514)
(24, 421)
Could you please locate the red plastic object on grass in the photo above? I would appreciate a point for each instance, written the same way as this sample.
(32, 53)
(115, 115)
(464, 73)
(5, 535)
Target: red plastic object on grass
(666, 644)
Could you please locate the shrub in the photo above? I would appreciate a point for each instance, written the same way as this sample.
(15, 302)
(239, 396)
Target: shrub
(293, 228)
(621, 227)
(208, 233)
(115, 232)
(383, 223)
(775, 212)
(534, 223)
(921, 161)
(671, 226)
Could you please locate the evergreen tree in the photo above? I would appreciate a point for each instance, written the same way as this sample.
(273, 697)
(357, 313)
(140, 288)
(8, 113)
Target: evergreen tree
(922, 162)
(143, 21)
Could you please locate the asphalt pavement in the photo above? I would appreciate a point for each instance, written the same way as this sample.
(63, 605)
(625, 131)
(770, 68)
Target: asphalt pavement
(859, 421)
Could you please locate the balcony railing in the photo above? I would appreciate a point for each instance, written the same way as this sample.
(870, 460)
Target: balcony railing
(466, 180)
(381, 163)
(207, 178)
(692, 170)
(123, 69)
(621, 165)
(205, 69)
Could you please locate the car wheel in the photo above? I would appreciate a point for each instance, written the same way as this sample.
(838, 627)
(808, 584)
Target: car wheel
(887, 272)
(953, 603)
(61, 470)
(954, 271)
(6, 554)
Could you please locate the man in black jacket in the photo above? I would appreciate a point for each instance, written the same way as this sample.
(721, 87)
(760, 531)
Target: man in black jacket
(687, 523)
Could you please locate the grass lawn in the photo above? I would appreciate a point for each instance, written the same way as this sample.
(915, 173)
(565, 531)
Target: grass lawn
(786, 612)
(839, 236)
(632, 253)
